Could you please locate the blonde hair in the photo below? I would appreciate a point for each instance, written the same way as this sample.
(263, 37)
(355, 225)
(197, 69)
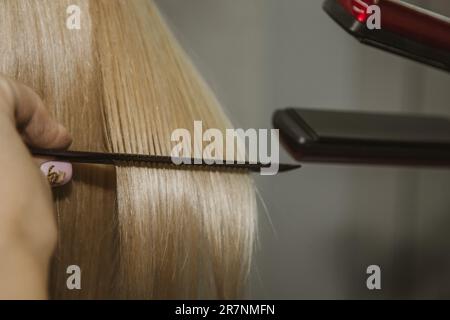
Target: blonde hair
(123, 84)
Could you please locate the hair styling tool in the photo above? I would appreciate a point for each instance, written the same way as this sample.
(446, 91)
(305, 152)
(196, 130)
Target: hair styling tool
(406, 29)
(363, 137)
(133, 159)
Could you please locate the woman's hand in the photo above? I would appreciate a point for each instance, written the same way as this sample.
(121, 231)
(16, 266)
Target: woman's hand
(27, 221)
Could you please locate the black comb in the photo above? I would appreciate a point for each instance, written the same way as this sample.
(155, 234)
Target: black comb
(131, 159)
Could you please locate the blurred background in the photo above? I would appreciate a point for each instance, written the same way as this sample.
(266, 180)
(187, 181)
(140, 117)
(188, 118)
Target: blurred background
(325, 224)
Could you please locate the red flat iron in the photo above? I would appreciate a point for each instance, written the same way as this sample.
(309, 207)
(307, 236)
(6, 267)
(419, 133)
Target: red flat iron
(405, 29)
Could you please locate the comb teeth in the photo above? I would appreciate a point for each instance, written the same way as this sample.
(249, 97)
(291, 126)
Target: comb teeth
(130, 159)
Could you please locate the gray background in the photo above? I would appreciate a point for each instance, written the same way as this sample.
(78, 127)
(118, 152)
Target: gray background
(325, 224)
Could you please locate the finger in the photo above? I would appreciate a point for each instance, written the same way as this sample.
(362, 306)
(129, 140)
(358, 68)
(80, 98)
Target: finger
(34, 122)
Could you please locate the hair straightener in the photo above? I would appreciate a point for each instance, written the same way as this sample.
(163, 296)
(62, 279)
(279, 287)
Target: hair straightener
(376, 138)
(359, 137)
(406, 30)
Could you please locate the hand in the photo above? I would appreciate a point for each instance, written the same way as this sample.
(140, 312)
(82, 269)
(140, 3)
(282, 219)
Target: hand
(27, 222)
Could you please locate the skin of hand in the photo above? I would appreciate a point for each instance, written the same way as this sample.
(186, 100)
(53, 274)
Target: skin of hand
(27, 221)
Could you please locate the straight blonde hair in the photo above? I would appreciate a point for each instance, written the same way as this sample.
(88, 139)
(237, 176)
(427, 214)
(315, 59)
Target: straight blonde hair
(122, 84)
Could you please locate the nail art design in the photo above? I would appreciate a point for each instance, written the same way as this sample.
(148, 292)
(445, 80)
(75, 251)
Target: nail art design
(55, 177)
(57, 173)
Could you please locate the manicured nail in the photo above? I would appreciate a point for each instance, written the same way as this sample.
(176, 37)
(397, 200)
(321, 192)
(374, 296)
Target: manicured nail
(57, 173)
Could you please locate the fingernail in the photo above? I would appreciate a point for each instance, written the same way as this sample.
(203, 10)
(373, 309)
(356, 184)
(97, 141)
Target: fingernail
(57, 173)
